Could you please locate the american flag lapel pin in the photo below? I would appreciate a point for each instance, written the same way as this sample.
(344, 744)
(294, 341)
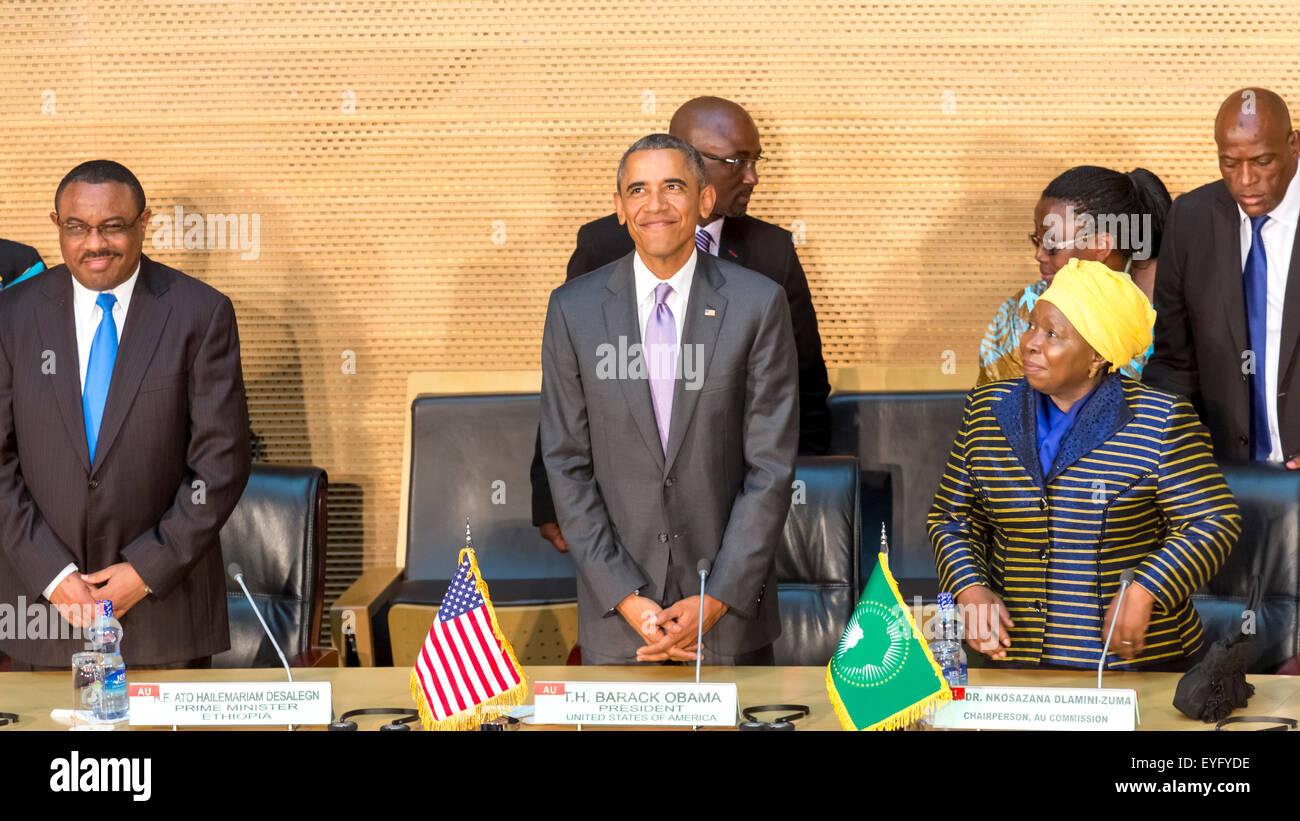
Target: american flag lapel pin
(710, 312)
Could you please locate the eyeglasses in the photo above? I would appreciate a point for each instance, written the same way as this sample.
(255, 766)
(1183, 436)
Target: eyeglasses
(76, 229)
(737, 165)
(1053, 247)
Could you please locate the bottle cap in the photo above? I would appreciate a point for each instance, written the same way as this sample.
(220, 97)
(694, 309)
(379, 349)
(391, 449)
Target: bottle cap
(946, 601)
(105, 607)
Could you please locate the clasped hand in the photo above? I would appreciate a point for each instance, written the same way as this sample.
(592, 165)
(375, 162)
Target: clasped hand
(669, 632)
(75, 596)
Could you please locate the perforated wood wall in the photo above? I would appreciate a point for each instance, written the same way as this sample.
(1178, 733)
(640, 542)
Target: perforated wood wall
(416, 171)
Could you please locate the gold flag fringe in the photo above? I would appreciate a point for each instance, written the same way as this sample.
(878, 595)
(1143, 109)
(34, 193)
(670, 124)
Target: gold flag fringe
(470, 719)
(908, 715)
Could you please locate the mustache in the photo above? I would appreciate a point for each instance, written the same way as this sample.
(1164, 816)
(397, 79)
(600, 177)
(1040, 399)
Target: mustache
(97, 255)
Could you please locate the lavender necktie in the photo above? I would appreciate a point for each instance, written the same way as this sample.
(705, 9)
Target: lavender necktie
(661, 359)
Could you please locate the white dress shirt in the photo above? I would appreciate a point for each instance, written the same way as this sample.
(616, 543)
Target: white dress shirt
(646, 283)
(1278, 235)
(86, 315)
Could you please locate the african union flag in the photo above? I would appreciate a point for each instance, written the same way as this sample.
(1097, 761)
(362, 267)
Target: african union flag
(882, 676)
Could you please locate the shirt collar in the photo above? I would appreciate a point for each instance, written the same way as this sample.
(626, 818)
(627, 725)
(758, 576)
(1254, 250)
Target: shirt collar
(646, 281)
(87, 297)
(1287, 211)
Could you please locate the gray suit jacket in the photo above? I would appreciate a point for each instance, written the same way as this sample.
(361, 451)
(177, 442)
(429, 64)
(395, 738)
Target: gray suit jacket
(721, 493)
(171, 461)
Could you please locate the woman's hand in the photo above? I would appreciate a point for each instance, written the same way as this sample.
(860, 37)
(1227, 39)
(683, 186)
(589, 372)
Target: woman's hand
(1131, 628)
(985, 616)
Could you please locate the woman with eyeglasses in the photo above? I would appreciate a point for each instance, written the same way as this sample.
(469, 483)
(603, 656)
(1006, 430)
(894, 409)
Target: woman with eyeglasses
(1087, 213)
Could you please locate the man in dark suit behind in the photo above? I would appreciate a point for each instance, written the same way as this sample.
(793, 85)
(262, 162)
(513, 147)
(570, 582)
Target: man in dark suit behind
(119, 463)
(725, 135)
(1227, 296)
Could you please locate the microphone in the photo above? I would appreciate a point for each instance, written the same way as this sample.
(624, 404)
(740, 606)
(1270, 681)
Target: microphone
(1125, 579)
(237, 573)
(703, 568)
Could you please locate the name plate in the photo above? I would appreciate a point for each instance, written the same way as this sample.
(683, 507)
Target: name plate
(1038, 708)
(216, 704)
(648, 704)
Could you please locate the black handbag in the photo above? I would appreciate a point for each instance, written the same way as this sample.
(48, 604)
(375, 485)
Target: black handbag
(1217, 684)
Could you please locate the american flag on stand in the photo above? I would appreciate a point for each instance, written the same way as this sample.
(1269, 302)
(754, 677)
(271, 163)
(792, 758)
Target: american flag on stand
(465, 665)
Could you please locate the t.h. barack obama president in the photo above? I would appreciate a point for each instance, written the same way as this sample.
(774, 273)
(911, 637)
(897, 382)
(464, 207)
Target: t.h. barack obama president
(686, 451)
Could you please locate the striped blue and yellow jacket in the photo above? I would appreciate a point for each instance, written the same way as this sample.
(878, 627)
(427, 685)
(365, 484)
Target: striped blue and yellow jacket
(1134, 485)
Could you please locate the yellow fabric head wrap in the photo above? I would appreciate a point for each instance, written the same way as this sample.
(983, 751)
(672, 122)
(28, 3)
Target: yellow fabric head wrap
(1105, 307)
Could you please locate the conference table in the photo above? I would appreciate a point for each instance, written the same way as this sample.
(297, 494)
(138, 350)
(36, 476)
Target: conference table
(33, 695)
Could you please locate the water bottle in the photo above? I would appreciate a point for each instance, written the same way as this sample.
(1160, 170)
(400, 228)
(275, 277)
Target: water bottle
(106, 639)
(946, 647)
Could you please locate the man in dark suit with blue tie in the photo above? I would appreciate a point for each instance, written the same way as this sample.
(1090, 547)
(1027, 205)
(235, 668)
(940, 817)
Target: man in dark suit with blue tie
(1227, 295)
(123, 436)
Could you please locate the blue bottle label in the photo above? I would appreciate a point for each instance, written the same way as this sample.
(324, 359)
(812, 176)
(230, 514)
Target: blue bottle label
(115, 680)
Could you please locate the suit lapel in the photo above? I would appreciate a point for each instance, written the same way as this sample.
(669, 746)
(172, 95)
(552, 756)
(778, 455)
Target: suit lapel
(56, 324)
(1018, 419)
(1105, 413)
(731, 245)
(699, 339)
(621, 324)
(145, 318)
(1227, 258)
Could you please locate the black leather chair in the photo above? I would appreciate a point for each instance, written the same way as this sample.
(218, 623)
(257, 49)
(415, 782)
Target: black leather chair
(1269, 498)
(817, 561)
(905, 436)
(469, 458)
(276, 534)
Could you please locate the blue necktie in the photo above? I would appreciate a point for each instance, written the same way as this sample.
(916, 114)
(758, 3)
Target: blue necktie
(103, 353)
(1254, 279)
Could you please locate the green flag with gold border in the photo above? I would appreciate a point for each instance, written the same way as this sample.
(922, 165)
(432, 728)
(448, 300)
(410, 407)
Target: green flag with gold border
(883, 676)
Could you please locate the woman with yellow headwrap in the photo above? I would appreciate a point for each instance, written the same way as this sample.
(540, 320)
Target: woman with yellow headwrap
(1061, 480)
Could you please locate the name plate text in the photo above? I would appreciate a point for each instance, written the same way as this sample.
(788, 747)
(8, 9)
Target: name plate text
(646, 704)
(1038, 708)
(215, 704)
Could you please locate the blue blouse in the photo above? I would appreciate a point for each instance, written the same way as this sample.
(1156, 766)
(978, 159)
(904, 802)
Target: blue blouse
(1053, 425)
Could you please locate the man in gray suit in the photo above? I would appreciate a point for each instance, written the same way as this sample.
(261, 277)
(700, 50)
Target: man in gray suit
(669, 429)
